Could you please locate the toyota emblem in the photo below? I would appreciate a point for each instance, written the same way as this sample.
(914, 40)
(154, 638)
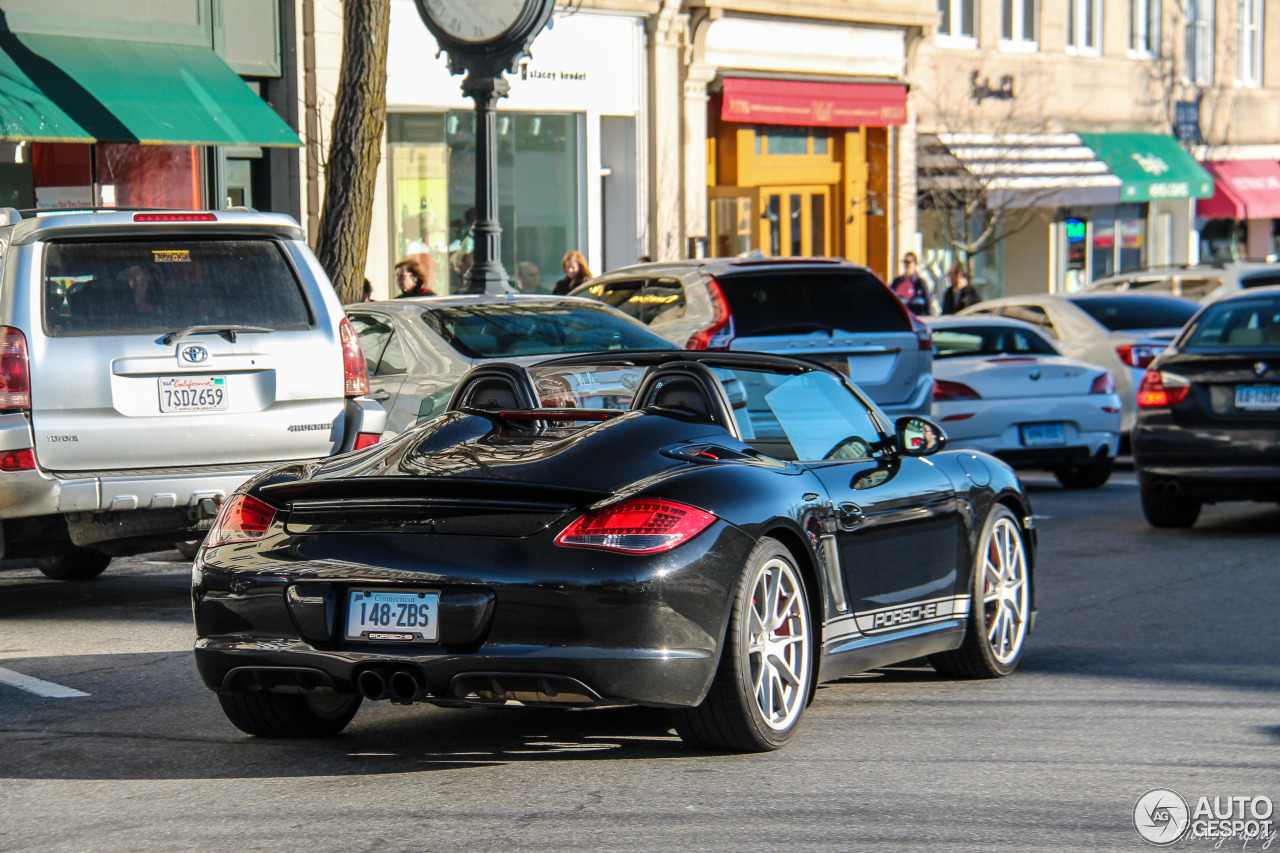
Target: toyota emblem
(1259, 367)
(194, 354)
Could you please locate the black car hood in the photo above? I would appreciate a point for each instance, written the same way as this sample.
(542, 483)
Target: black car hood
(467, 455)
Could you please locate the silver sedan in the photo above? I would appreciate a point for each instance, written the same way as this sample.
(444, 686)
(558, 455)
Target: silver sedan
(1122, 332)
(418, 348)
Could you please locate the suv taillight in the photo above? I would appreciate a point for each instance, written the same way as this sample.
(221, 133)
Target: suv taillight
(1138, 355)
(924, 338)
(354, 370)
(720, 332)
(15, 371)
(243, 518)
(1160, 390)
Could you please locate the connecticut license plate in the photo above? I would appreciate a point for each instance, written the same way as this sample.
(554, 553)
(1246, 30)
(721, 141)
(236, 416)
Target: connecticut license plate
(193, 393)
(1258, 397)
(1043, 435)
(395, 617)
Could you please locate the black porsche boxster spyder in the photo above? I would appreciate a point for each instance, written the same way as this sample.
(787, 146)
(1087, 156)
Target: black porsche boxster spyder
(708, 532)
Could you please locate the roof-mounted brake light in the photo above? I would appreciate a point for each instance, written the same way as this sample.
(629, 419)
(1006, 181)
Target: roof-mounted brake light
(174, 217)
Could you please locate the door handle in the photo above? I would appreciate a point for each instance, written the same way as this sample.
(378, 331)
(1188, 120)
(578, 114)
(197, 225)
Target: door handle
(849, 516)
(380, 395)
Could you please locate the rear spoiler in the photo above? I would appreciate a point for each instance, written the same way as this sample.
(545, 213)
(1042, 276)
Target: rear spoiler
(430, 488)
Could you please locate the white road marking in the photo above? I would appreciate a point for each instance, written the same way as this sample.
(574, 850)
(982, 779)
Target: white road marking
(34, 685)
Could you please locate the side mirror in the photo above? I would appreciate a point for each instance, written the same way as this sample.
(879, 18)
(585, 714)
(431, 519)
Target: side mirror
(918, 436)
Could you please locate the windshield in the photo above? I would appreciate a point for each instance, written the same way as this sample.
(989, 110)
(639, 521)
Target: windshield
(789, 415)
(956, 341)
(799, 303)
(499, 329)
(1123, 313)
(127, 287)
(1238, 323)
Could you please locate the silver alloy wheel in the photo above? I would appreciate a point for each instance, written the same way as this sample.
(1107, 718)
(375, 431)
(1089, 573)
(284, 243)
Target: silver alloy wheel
(1005, 590)
(778, 643)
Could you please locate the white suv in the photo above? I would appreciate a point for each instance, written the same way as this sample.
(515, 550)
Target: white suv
(150, 363)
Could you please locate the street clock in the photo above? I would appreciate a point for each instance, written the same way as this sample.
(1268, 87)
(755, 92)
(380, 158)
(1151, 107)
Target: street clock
(484, 37)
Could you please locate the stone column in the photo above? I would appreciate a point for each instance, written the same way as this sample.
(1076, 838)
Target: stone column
(695, 150)
(667, 37)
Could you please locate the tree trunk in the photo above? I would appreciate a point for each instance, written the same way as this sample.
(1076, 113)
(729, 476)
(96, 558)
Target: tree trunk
(355, 146)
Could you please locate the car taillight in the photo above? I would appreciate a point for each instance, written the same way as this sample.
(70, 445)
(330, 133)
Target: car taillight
(944, 390)
(15, 371)
(365, 439)
(1103, 383)
(720, 332)
(1160, 389)
(354, 370)
(18, 460)
(1138, 355)
(636, 526)
(244, 518)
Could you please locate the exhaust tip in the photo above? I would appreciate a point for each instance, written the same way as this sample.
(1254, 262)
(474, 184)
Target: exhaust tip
(372, 685)
(405, 685)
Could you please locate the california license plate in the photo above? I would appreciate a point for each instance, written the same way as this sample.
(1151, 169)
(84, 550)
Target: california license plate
(1258, 397)
(193, 393)
(1043, 435)
(393, 617)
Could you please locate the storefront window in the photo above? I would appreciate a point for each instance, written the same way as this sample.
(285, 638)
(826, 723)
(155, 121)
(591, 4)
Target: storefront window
(432, 193)
(1223, 241)
(66, 175)
(1117, 240)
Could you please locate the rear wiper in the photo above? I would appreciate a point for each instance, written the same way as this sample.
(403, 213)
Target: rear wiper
(798, 328)
(229, 331)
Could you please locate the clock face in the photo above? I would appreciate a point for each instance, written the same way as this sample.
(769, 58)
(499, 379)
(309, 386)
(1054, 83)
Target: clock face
(474, 20)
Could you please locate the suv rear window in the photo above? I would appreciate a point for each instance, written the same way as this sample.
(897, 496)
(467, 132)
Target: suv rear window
(804, 301)
(1122, 313)
(121, 287)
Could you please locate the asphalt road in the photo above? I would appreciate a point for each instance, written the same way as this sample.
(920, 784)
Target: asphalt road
(1156, 663)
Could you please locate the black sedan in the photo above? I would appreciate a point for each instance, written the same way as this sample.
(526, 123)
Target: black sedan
(713, 533)
(1209, 412)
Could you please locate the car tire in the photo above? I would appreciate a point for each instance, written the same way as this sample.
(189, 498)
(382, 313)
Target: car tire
(190, 548)
(290, 715)
(999, 604)
(1165, 510)
(764, 678)
(1090, 475)
(81, 564)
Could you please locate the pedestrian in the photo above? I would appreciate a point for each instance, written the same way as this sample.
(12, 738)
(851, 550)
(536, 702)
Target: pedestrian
(960, 295)
(366, 291)
(576, 272)
(911, 288)
(412, 278)
(528, 276)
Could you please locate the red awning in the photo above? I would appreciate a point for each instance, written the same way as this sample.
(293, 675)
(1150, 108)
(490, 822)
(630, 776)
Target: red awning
(1242, 189)
(805, 104)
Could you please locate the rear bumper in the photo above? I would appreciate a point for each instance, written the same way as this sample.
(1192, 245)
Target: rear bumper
(921, 398)
(1207, 463)
(1088, 431)
(632, 629)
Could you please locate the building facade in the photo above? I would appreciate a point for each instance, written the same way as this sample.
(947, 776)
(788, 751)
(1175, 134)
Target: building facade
(1079, 122)
(151, 103)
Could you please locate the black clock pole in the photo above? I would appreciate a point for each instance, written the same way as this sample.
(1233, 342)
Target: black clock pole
(486, 274)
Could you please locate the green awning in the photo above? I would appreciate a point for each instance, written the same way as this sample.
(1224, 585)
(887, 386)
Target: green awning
(68, 89)
(1150, 167)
